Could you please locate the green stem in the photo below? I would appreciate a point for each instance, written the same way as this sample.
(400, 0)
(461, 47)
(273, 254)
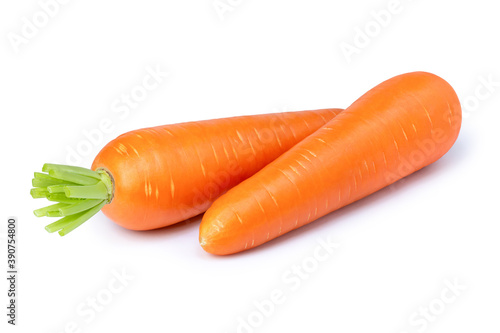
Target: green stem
(39, 192)
(80, 193)
(47, 167)
(71, 222)
(78, 207)
(56, 188)
(44, 180)
(97, 191)
(61, 197)
(52, 208)
(74, 178)
(69, 227)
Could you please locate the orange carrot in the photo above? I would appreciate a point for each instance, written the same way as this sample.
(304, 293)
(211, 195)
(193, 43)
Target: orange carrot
(396, 128)
(154, 177)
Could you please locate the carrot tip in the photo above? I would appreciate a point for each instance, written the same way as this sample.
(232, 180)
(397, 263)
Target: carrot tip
(80, 193)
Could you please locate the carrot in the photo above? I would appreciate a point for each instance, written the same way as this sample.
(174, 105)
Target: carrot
(398, 127)
(154, 177)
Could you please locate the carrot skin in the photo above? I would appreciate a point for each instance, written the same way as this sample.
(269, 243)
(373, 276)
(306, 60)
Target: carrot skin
(166, 174)
(398, 127)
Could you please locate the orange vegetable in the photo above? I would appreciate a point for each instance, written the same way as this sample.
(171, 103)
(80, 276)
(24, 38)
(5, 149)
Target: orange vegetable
(154, 177)
(396, 128)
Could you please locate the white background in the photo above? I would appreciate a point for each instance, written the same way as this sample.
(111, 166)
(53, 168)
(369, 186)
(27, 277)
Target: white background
(398, 247)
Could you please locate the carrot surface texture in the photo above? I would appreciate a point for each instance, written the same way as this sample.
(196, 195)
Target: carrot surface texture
(398, 127)
(154, 177)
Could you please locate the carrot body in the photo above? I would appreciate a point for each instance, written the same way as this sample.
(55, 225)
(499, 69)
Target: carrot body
(166, 174)
(398, 127)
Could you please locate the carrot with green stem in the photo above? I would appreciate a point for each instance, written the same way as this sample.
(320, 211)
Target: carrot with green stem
(398, 127)
(154, 177)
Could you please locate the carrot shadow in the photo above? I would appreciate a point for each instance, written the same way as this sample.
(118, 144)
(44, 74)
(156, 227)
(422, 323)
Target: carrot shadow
(170, 230)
